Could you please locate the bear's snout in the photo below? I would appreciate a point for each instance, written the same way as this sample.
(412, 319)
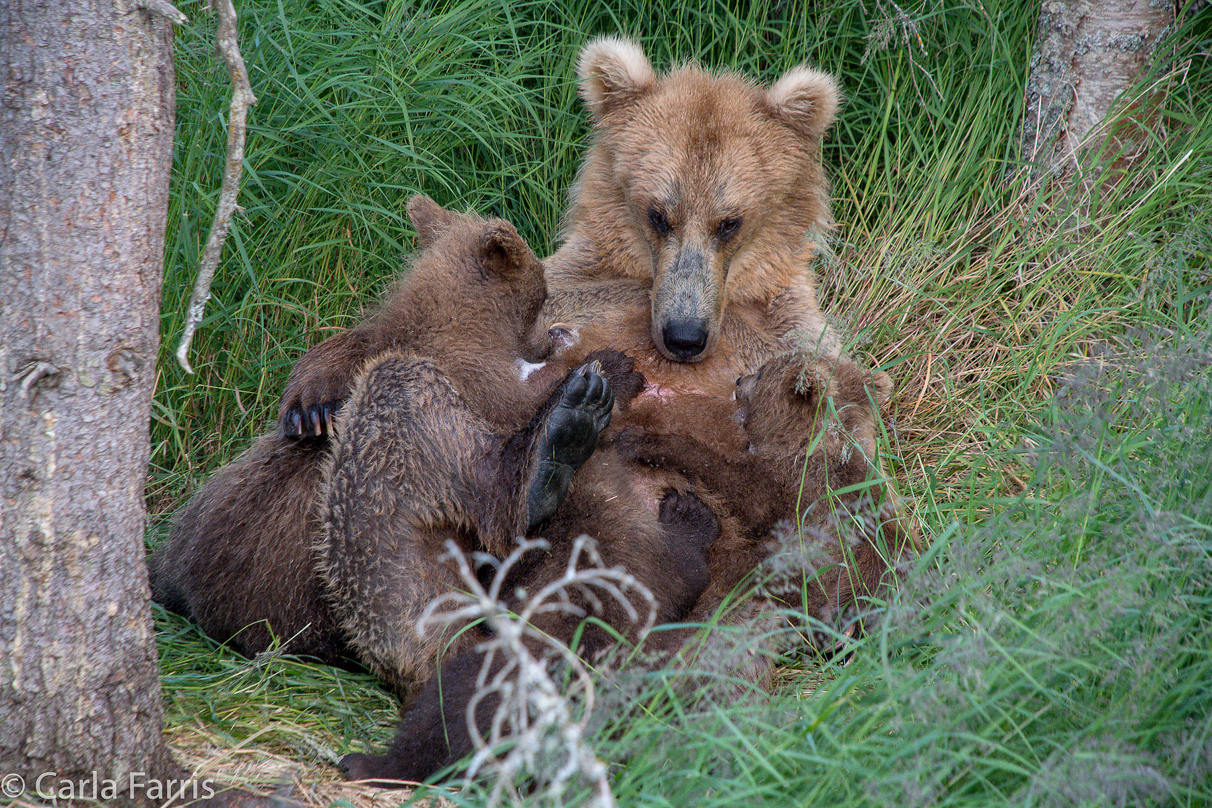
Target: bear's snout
(686, 338)
(687, 304)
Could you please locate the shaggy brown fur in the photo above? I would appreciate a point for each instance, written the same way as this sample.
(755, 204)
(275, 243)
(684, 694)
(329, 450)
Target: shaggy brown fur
(438, 442)
(691, 233)
(811, 431)
(411, 467)
(690, 238)
(239, 560)
(429, 312)
(697, 206)
(689, 247)
(414, 467)
(695, 211)
(694, 218)
(434, 732)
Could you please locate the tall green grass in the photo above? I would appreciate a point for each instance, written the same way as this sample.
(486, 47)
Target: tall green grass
(1058, 653)
(1051, 425)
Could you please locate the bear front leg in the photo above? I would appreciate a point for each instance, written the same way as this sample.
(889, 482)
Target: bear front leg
(434, 733)
(321, 381)
(688, 529)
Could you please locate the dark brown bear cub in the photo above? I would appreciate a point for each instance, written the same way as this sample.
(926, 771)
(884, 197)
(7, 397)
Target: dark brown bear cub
(805, 486)
(240, 560)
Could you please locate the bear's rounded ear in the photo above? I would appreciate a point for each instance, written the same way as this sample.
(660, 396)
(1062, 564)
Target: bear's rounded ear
(614, 72)
(504, 253)
(429, 219)
(880, 387)
(807, 100)
(813, 378)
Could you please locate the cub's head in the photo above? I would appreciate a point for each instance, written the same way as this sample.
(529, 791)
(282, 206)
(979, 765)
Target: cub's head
(792, 408)
(707, 183)
(477, 288)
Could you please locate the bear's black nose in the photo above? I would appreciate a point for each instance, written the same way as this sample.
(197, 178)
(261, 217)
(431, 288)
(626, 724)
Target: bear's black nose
(685, 339)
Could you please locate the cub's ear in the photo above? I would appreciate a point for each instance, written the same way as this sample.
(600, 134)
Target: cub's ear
(788, 375)
(506, 254)
(805, 100)
(880, 387)
(614, 72)
(812, 379)
(429, 219)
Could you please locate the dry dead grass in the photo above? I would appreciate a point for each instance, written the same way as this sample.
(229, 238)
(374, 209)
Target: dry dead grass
(259, 771)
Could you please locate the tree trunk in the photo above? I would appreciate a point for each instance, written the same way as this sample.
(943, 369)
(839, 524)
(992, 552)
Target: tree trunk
(86, 129)
(1087, 53)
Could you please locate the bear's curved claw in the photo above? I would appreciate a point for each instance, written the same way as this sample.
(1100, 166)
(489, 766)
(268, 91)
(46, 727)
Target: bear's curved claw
(315, 421)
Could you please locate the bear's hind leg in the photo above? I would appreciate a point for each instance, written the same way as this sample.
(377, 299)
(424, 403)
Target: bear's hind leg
(404, 481)
(566, 436)
(434, 731)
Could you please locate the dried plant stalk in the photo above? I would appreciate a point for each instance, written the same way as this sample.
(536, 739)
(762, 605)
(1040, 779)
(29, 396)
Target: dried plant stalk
(242, 99)
(547, 722)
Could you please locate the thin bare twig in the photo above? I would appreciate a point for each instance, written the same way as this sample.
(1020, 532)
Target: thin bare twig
(242, 99)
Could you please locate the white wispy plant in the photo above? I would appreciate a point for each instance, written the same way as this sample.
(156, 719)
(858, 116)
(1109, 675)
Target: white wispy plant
(536, 742)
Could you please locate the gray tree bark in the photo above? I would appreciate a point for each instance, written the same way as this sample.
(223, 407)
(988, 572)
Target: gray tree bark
(86, 129)
(1086, 54)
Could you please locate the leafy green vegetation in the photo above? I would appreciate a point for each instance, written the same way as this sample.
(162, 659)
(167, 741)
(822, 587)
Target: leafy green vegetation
(1051, 344)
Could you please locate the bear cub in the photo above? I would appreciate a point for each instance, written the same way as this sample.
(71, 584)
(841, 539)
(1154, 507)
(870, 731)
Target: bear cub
(240, 557)
(810, 426)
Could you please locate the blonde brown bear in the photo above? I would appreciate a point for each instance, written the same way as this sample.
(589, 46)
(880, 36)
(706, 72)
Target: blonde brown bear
(696, 213)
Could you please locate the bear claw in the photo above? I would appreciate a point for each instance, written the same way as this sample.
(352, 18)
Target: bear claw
(567, 437)
(315, 421)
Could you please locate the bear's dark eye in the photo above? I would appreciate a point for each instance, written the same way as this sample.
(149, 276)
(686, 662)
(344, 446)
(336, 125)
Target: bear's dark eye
(727, 229)
(658, 221)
